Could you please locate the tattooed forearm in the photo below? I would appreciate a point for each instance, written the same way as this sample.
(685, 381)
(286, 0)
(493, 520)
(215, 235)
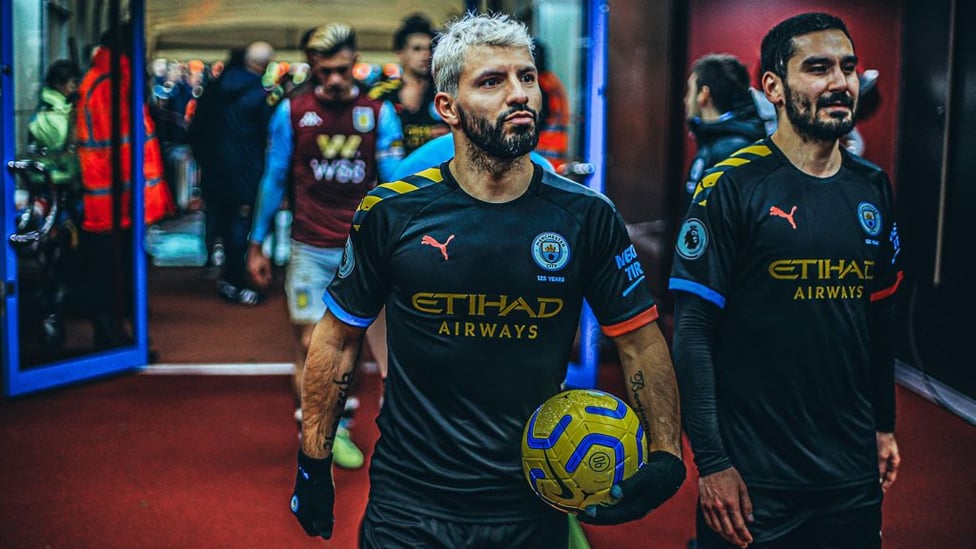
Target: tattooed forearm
(344, 383)
(637, 384)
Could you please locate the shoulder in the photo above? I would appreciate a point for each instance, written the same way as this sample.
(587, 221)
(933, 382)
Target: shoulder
(300, 100)
(431, 153)
(385, 90)
(862, 166)
(570, 194)
(365, 98)
(405, 195)
(51, 100)
(871, 173)
(726, 145)
(749, 163)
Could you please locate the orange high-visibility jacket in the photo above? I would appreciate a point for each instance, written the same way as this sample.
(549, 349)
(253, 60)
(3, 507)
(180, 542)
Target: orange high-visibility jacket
(554, 130)
(94, 135)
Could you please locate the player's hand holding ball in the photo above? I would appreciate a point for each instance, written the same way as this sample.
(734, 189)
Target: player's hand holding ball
(639, 494)
(584, 453)
(313, 500)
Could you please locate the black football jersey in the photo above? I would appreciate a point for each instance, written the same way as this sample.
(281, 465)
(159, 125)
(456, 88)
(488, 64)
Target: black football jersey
(794, 262)
(482, 305)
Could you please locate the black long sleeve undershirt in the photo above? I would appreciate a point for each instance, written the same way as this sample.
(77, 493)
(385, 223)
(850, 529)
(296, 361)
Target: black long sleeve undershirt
(881, 347)
(695, 323)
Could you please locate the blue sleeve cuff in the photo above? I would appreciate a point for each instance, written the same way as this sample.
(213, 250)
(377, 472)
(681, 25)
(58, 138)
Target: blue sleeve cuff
(337, 311)
(704, 292)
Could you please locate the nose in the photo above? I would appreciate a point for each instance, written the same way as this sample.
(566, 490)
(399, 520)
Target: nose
(334, 78)
(839, 80)
(518, 95)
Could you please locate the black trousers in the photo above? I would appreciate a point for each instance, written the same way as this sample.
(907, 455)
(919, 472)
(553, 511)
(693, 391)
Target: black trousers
(109, 279)
(389, 528)
(231, 223)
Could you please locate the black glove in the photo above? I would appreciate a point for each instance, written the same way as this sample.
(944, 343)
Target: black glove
(639, 494)
(314, 496)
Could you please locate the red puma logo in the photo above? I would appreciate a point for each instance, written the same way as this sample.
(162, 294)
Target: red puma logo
(429, 240)
(787, 216)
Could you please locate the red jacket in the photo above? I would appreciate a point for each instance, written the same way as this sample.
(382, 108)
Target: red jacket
(553, 134)
(94, 132)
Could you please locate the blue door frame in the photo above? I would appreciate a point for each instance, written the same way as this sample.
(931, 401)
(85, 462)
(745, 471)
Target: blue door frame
(18, 381)
(584, 374)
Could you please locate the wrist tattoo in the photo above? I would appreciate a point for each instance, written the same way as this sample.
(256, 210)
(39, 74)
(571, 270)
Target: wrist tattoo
(636, 385)
(344, 383)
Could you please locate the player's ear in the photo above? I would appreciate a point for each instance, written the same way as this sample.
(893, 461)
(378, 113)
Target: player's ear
(704, 95)
(446, 107)
(772, 86)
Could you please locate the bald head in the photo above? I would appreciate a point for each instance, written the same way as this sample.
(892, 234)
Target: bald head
(257, 56)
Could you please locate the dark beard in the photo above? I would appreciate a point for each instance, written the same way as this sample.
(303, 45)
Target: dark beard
(491, 140)
(803, 117)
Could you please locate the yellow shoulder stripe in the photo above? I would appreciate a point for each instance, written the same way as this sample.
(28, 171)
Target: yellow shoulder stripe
(740, 157)
(399, 187)
(382, 191)
(733, 161)
(758, 150)
(434, 174)
(707, 182)
(383, 87)
(368, 202)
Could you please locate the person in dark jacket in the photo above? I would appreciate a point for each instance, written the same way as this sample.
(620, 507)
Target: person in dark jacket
(231, 133)
(721, 114)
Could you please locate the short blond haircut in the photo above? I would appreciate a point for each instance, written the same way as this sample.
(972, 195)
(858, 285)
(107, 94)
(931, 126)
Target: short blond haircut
(329, 39)
(473, 30)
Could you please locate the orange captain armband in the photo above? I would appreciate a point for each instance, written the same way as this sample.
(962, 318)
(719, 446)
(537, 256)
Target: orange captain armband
(631, 324)
(890, 290)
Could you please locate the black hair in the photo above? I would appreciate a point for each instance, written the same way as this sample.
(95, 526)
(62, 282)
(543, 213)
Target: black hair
(727, 80)
(414, 24)
(60, 72)
(117, 39)
(303, 41)
(235, 58)
(541, 56)
(778, 46)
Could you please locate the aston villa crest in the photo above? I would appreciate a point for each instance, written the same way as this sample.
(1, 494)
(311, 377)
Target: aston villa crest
(363, 119)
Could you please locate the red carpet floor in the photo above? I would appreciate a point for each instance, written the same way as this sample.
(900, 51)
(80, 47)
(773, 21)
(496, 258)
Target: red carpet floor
(190, 323)
(208, 461)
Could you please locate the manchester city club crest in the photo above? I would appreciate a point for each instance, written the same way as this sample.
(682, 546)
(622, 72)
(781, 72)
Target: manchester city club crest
(363, 119)
(550, 251)
(692, 239)
(870, 218)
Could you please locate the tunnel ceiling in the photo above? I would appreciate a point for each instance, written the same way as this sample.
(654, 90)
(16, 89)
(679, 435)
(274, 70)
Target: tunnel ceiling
(194, 25)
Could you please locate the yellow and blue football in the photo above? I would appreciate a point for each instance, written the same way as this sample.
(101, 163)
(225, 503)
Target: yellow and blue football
(578, 444)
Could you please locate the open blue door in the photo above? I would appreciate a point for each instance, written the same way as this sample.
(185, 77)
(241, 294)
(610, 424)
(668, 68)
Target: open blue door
(572, 39)
(594, 145)
(56, 327)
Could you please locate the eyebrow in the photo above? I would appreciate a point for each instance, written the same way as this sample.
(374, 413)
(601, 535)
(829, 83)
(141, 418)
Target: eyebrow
(495, 73)
(488, 73)
(825, 60)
